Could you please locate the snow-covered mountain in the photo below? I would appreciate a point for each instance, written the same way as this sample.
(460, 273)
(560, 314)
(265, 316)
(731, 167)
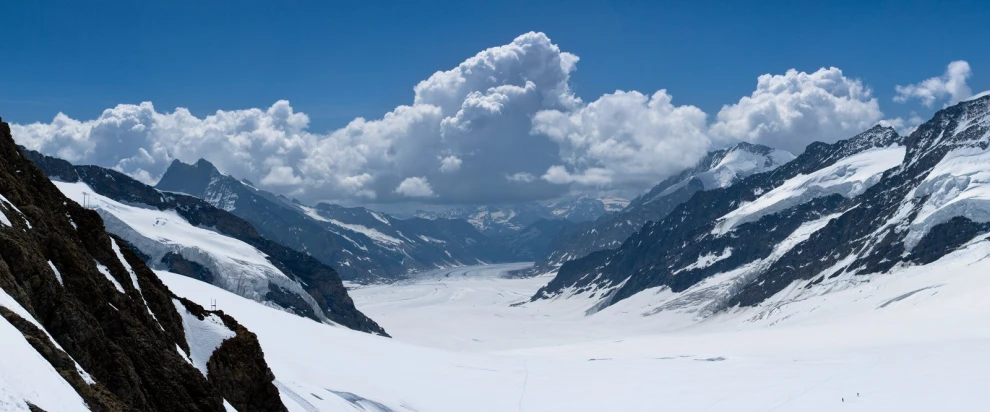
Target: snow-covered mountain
(506, 219)
(585, 208)
(468, 341)
(493, 220)
(866, 260)
(833, 217)
(718, 169)
(86, 325)
(186, 235)
(361, 244)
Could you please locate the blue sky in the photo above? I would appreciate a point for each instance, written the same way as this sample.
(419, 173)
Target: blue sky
(338, 60)
(335, 61)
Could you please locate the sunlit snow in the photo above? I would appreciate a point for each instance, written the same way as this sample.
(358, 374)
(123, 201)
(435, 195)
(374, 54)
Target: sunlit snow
(470, 341)
(848, 177)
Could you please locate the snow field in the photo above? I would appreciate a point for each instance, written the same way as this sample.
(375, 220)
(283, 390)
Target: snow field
(908, 341)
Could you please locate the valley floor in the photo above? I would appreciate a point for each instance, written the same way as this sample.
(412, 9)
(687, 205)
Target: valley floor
(913, 341)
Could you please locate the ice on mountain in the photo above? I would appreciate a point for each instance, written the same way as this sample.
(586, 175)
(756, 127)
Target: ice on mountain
(204, 336)
(707, 260)
(848, 177)
(371, 233)
(235, 265)
(58, 275)
(959, 185)
(106, 273)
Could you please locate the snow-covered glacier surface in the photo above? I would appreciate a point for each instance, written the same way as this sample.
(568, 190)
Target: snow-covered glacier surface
(469, 339)
(848, 177)
(959, 185)
(235, 265)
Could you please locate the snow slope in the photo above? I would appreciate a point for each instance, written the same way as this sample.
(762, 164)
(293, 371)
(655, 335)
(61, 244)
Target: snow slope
(848, 177)
(25, 376)
(237, 266)
(740, 162)
(907, 342)
(959, 185)
(204, 336)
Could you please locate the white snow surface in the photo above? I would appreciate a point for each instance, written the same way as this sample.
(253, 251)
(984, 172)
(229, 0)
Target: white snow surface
(372, 233)
(737, 164)
(848, 177)
(203, 336)
(58, 275)
(907, 341)
(236, 266)
(959, 185)
(367, 231)
(707, 260)
(106, 273)
(4, 220)
(25, 375)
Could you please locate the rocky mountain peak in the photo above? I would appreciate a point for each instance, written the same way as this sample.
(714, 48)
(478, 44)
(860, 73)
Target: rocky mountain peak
(192, 179)
(88, 306)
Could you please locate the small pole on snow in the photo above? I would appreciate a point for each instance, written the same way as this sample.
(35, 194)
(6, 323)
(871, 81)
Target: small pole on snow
(213, 304)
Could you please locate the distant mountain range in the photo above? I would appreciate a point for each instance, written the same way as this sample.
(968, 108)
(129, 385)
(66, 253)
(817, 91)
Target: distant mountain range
(865, 205)
(361, 244)
(365, 245)
(719, 169)
(507, 219)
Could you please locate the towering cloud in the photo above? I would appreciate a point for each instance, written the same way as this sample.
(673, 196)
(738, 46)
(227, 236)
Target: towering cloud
(791, 110)
(624, 139)
(502, 126)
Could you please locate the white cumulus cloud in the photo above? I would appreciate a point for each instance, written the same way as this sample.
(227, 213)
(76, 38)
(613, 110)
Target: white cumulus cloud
(951, 85)
(450, 164)
(791, 110)
(479, 110)
(623, 139)
(415, 187)
(502, 126)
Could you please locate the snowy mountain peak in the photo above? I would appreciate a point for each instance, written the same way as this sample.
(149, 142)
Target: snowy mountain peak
(953, 126)
(875, 137)
(838, 214)
(505, 219)
(742, 160)
(585, 207)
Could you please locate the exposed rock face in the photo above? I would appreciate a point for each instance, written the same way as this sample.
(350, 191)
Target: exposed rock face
(895, 221)
(88, 306)
(684, 248)
(238, 368)
(719, 169)
(535, 239)
(839, 211)
(311, 276)
(361, 244)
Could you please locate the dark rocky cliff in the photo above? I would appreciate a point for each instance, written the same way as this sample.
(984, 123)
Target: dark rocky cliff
(126, 340)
